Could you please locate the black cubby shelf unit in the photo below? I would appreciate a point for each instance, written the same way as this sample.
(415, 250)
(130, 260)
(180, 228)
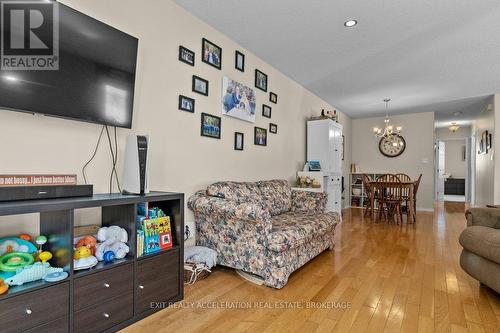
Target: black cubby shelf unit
(107, 297)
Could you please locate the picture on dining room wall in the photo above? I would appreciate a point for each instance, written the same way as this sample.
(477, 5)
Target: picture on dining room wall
(186, 55)
(238, 100)
(211, 54)
(238, 141)
(260, 136)
(266, 111)
(210, 125)
(239, 61)
(186, 103)
(273, 98)
(260, 80)
(200, 85)
(273, 128)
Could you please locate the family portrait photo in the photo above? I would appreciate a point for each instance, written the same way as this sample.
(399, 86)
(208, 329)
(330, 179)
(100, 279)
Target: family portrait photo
(239, 61)
(273, 98)
(238, 141)
(186, 103)
(210, 125)
(273, 128)
(200, 85)
(266, 111)
(260, 136)
(211, 53)
(260, 80)
(186, 55)
(238, 100)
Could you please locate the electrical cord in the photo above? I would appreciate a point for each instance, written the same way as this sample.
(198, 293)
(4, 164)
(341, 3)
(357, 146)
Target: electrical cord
(114, 159)
(93, 156)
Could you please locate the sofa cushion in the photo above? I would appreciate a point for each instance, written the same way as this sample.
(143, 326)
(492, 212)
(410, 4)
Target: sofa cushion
(290, 230)
(238, 192)
(276, 196)
(483, 241)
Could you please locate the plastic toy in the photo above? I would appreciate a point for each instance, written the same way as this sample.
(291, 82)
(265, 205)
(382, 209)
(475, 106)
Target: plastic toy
(15, 244)
(88, 241)
(108, 256)
(113, 239)
(45, 256)
(31, 273)
(12, 261)
(41, 240)
(25, 237)
(83, 258)
(3, 287)
(56, 276)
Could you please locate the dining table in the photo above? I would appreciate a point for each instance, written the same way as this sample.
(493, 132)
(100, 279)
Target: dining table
(410, 188)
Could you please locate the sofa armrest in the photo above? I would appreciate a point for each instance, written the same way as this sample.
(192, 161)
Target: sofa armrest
(306, 201)
(228, 210)
(486, 217)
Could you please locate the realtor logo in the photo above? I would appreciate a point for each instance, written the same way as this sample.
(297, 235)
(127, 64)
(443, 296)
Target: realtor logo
(29, 35)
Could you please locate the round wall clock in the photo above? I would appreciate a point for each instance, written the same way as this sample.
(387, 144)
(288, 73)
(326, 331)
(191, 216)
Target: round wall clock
(392, 145)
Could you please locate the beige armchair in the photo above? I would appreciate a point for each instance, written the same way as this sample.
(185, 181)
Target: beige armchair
(480, 257)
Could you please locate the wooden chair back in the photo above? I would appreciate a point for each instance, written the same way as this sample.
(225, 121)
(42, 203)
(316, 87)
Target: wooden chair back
(366, 184)
(415, 187)
(391, 188)
(403, 177)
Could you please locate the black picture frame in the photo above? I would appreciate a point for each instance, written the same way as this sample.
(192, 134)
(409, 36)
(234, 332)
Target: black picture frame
(182, 107)
(258, 85)
(236, 135)
(273, 98)
(264, 109)
(187, 51)
(256, 140)
(205, 42)
(236, 55)
(193, 87)
(206, 131)
(273, 128)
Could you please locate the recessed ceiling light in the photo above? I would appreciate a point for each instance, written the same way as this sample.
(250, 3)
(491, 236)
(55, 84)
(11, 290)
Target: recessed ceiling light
(350, 23)
(457, 113)
(10, 78)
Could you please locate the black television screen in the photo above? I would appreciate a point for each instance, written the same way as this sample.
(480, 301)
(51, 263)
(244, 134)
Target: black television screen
(95, 79)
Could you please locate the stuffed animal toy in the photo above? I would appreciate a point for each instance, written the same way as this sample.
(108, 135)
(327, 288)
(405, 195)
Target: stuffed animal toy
(89, 242)
(113, 239)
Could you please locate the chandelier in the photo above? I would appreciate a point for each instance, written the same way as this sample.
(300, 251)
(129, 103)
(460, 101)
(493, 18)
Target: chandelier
(388, 130)
(453, 127)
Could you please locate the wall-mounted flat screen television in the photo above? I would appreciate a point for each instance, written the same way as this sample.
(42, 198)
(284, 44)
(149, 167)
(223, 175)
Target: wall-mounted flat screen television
(95, 79)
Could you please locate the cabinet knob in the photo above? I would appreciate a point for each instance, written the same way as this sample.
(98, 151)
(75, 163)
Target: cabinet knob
(107, 285)
(106, 315)
(28, 311)
(141, 286)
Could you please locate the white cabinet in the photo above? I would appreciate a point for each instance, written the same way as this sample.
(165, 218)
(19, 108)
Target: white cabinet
(324, 144)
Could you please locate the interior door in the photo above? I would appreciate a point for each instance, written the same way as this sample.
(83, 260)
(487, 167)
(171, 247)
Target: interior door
(440, 169)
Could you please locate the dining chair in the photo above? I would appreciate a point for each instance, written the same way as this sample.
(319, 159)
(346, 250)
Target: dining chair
(390, 197)
(369, 192)
(405, 193)
(416, 185)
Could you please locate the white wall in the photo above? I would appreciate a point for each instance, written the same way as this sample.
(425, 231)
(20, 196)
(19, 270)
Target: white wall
(181, 160)
(445, 134)
(454, 162)
(418, 131)
(485, 164)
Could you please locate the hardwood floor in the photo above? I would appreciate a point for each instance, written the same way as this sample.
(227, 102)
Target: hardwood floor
(394, 279)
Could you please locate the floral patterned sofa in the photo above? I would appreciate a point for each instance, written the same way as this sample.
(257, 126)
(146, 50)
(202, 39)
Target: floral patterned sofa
(264, 228)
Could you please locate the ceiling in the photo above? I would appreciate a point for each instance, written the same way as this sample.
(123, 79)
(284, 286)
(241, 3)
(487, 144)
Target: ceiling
(426, 55)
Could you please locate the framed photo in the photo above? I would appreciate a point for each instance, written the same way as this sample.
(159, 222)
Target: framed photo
(186, 103)
(239, 61)
(273, 128)
(200, 85)
(238, 141)
(210, 125)
(260, 80)
(186, 55)
(273, 98)
(238, 100)
(260, 136)
(211, 53)
(489, 136)
(266, 111)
